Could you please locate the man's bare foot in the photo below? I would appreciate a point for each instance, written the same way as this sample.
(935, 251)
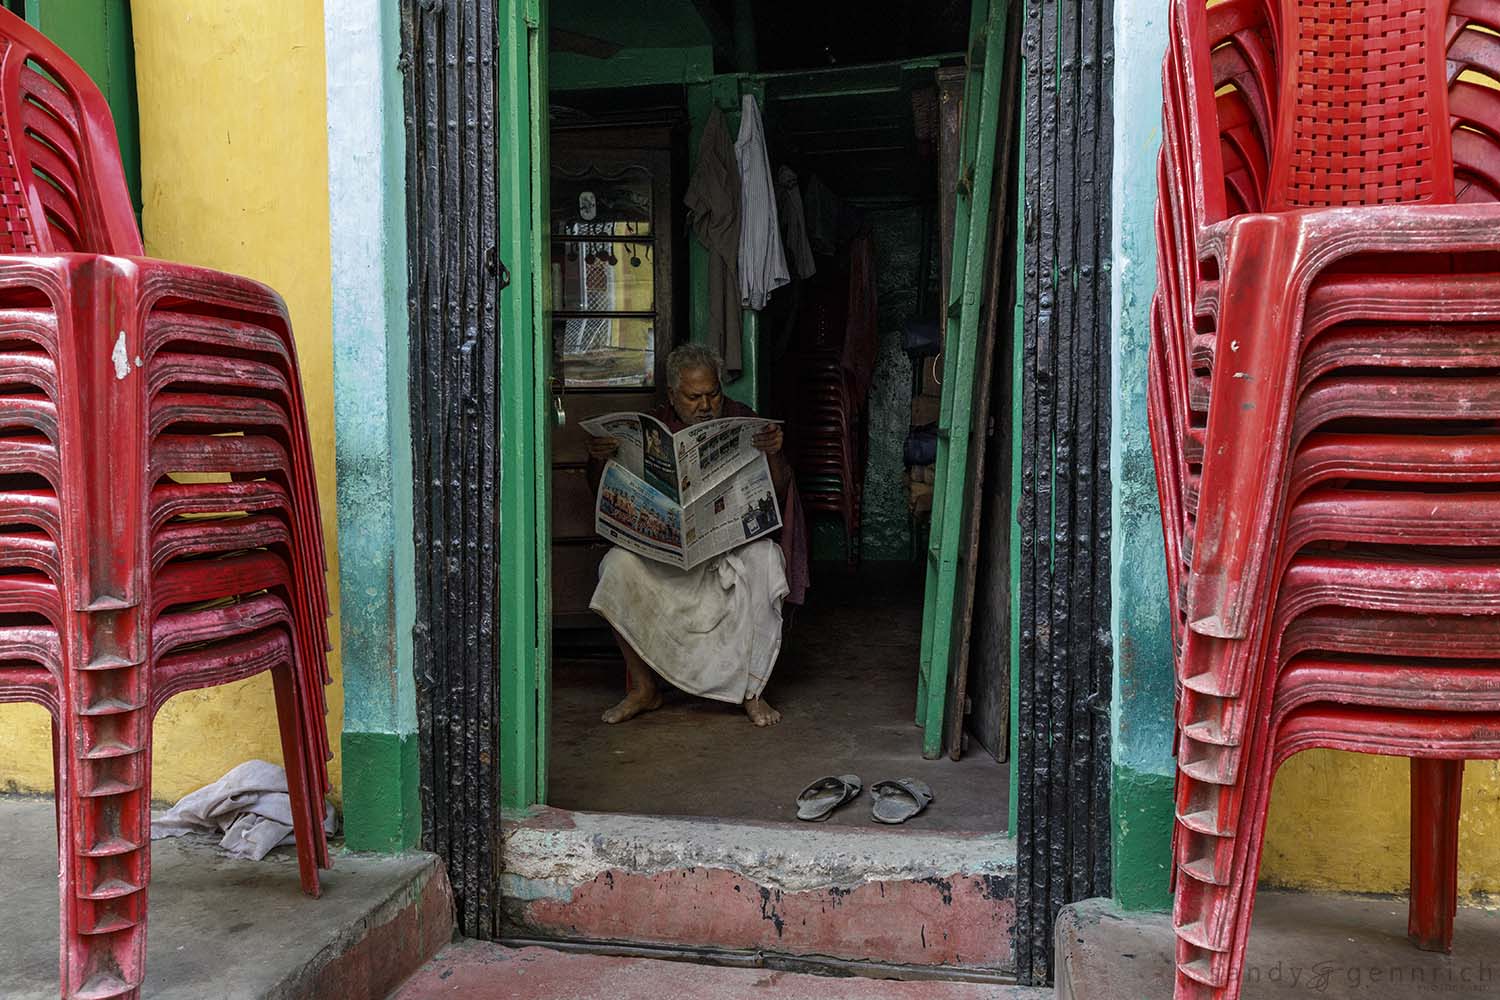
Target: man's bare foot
(760, 713)
(634, 704)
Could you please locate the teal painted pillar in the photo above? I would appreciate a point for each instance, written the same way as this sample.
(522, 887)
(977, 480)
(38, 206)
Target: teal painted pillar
(372, 423)
(1141, 796)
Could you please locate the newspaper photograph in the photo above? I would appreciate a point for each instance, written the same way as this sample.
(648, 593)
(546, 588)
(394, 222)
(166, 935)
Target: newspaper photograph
(685, 497)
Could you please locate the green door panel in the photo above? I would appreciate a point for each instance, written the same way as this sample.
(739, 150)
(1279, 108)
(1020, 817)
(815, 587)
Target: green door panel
(526, 408)
(97, 35)
(971, 232)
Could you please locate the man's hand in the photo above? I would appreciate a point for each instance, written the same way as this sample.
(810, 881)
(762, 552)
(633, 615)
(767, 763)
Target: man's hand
(603, 448)
(768, 440)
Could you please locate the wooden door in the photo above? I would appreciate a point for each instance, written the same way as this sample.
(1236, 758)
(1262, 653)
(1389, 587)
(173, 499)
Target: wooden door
(611, 282)
(945, 579)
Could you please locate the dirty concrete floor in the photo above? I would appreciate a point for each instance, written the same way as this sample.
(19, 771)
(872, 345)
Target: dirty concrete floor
(1301, 945)
(219, 928)
(846, 687)
(475, 970)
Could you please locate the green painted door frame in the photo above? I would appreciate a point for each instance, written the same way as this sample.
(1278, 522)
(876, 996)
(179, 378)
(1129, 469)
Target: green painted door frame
(971, 233)
(97, 34)
(525, 405)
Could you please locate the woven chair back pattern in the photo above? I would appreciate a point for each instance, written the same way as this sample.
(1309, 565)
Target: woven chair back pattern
(1366, 102)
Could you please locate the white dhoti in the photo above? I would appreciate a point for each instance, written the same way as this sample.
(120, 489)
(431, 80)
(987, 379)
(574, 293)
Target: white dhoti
(714, 630)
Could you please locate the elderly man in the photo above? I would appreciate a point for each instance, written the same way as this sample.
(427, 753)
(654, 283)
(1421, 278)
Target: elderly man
(714, 630)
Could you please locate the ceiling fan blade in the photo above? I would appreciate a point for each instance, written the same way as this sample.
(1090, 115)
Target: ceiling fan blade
(584, 45)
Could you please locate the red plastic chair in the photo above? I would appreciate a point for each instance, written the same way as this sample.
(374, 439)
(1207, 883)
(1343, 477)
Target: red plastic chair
(1323, 352)
(124, 586)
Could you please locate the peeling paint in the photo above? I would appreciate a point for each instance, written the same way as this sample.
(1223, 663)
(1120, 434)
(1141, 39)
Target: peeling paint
(121, 358)
(909, 922)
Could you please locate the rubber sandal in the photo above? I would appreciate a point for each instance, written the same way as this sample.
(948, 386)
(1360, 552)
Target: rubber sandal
(898, 800)
(819, 799)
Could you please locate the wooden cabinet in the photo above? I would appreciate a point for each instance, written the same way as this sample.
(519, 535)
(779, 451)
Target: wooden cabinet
(612, 318)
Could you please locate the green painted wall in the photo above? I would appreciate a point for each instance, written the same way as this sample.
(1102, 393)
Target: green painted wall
(97, 34)
(1143, 699)
(672, 45)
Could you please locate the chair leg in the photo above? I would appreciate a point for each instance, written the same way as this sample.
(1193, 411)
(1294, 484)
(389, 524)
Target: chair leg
(1436, 794)
(298, 756)
(104, 827)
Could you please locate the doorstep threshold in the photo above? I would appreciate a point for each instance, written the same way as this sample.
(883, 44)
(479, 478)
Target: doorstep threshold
(763, 892)
(793, 857)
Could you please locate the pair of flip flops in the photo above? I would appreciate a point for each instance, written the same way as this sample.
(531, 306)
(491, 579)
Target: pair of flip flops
(892, 801)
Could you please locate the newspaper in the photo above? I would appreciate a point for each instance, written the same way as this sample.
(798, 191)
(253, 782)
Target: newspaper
(685, 497)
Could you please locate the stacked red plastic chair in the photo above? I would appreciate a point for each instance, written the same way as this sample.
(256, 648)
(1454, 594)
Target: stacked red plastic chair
(826, 433)
(1325, 415)
(830, 469)
(159, 525)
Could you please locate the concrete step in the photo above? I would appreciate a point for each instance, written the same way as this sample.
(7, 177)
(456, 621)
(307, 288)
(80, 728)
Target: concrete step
(1301, 945)
(479, 971)
(231, 929)
(895, 896)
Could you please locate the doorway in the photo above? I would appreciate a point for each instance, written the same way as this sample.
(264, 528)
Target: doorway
(875, 152)
(483, 412)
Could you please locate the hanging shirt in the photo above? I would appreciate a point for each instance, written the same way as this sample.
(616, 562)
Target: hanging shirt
(713, 204)
(762, 258)
(821, 216)
(794, 224)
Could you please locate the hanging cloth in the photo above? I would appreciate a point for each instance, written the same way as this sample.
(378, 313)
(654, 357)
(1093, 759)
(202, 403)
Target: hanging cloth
(762, 258)
(794, 224)
(821, 216)
(713, 204)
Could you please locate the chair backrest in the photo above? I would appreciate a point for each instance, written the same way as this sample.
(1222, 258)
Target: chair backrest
(1363, 105)
(1192, 130)
(62, 188)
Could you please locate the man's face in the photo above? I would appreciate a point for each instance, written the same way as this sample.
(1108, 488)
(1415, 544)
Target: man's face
(697, 397)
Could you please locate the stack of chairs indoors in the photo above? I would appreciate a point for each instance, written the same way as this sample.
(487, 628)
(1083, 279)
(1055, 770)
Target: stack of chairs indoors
(1325, 417)
(828, 435)
(159, 525)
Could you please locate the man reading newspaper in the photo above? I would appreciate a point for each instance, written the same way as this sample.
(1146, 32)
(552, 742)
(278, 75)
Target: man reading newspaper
(694, 586)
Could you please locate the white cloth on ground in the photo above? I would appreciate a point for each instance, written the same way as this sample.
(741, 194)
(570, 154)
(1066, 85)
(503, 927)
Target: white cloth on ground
(250, 806)
(714, 630)
(762, 258)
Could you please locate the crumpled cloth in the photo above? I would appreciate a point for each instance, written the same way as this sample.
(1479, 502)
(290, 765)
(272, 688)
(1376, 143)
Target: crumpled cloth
(250, 806)
(713, 630)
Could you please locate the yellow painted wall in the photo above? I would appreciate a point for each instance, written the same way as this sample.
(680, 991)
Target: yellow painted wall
(234, 159)
(1341, 821)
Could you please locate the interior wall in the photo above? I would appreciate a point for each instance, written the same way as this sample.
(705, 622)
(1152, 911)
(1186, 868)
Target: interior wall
(234, 169)
(886, 522)
(886, 527)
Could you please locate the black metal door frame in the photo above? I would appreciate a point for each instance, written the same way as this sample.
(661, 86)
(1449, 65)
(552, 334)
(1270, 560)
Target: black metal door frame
(448, 60)
(1065, 656)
